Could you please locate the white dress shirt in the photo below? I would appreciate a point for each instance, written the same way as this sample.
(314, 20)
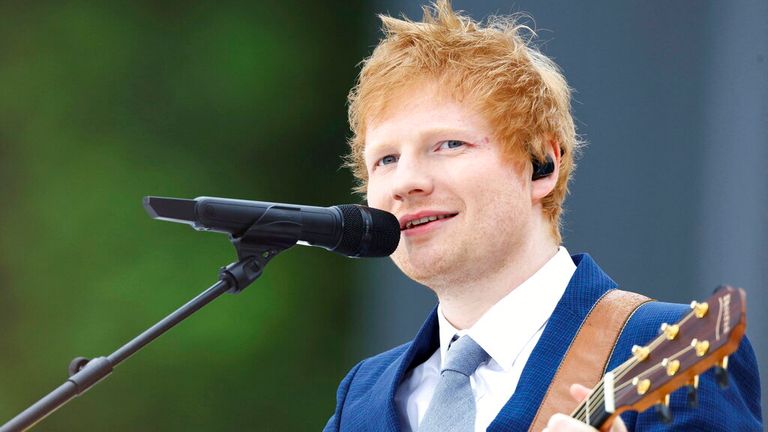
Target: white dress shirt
(508, 332)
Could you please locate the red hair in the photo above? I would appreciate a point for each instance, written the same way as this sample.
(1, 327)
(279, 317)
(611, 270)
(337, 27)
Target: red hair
(517, 89)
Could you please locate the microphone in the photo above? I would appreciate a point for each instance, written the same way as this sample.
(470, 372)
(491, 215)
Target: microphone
(348, 229)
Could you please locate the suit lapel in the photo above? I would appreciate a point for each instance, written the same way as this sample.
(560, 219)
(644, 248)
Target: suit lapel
(381, 406)
(587, 285)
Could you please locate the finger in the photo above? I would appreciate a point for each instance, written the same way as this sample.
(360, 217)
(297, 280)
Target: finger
(579, 392)
(618, 425)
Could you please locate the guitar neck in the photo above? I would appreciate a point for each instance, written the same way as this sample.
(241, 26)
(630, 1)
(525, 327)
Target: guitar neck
(702, 339)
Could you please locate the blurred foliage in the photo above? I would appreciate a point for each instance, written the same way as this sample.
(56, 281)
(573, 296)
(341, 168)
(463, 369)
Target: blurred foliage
(103, 103)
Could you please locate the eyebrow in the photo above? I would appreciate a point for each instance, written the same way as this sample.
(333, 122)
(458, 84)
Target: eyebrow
(430, 134)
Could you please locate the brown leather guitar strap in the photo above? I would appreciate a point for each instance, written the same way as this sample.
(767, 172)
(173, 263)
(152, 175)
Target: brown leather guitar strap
(587, 357)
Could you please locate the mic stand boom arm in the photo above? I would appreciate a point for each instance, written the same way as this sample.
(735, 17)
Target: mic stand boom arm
(84, 373)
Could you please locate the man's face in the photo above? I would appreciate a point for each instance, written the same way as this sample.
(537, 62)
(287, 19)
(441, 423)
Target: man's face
(464, 210)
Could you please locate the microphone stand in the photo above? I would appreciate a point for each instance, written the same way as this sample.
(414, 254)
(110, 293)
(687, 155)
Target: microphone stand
(253, 255)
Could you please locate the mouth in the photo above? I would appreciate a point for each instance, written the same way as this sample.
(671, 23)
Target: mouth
(418, 220)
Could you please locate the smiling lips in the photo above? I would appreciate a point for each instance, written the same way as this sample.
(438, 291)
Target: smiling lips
(410, 222)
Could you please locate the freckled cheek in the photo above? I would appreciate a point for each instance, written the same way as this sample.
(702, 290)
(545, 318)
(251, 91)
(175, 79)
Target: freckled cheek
(375, 196)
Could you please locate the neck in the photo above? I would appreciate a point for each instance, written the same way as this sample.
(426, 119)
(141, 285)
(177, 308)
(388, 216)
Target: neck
(465, 301)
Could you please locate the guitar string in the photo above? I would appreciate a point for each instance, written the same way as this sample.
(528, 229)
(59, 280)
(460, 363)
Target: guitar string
(599, 389)
(594, 403)
(621, 372)
(581, 411)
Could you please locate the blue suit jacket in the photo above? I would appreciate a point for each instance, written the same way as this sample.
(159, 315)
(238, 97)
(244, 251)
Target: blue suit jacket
(365, 399)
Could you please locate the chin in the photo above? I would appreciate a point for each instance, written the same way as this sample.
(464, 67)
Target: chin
(426, 269)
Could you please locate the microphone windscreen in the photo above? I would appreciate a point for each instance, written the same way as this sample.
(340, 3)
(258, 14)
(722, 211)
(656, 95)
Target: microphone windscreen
(368, 232)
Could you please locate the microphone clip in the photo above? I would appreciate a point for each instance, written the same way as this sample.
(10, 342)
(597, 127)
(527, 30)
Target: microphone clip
(271, 234)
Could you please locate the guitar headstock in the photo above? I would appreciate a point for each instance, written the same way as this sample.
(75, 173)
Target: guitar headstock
(702, 339)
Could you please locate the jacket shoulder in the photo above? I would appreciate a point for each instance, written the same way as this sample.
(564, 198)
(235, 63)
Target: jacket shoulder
(643, 325)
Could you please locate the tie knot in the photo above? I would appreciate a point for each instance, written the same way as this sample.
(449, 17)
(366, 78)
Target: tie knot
(464, 356)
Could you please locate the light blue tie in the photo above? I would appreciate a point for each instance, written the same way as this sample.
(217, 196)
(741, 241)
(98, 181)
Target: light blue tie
(452, 408)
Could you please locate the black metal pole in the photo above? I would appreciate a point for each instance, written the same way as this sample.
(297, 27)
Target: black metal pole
(168, 322)
(85, 373)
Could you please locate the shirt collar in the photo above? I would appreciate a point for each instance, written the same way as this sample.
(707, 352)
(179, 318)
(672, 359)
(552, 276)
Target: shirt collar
(507, 327)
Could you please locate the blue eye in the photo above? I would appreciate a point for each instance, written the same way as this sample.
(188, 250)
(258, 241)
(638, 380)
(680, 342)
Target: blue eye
(386, 160)
(451, 144)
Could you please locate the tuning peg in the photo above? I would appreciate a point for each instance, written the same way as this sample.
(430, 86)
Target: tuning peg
(640, 352)
(672, 366)
(721, 376)
(670, 331)
(700, 309)
(721, 373)
(662, 409)
(642, 385)
(693, 392)
(701, 347)
(693, 396)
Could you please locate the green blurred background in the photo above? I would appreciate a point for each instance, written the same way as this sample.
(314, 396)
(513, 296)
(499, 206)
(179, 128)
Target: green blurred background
(102, 103)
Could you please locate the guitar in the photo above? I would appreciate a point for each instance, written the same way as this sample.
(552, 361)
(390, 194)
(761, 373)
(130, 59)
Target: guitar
(702, 339)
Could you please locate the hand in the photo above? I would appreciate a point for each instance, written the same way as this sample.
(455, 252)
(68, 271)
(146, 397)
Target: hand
(564, 423)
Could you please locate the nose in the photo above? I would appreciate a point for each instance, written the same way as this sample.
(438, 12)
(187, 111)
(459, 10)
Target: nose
(413, 178)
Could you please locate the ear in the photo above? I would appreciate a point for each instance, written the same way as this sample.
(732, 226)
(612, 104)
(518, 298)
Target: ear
(544, 182)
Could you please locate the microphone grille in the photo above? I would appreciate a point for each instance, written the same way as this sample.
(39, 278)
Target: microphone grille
(368, 232)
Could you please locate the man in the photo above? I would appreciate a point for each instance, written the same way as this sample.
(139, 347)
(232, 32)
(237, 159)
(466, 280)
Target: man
(464, 132)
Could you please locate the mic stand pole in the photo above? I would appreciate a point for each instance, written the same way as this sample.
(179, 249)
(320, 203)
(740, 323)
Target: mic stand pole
(85, 373)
